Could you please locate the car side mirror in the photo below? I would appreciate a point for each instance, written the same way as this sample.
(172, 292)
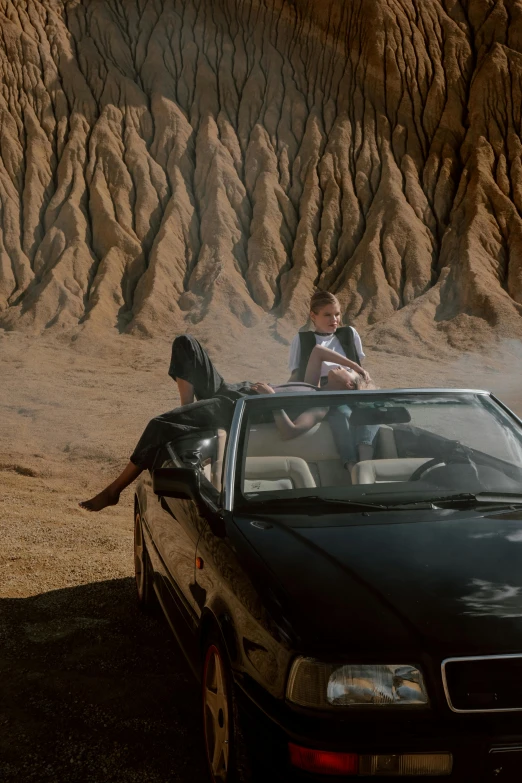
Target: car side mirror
(183, 483)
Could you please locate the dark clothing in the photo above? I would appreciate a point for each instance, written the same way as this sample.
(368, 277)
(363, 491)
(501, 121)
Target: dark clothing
(205, 414)
(215, 406)
(192, 363)
(308, 342)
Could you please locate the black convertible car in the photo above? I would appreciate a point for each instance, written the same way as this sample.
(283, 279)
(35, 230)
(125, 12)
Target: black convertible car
(346, 619)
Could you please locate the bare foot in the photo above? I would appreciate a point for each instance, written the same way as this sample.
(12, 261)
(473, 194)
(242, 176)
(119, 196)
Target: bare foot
(102, 500)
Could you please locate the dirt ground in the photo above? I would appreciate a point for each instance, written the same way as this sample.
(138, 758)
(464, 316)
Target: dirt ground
(90, 690)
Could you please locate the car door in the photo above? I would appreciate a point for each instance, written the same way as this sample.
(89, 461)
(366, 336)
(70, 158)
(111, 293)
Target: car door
(177, 525)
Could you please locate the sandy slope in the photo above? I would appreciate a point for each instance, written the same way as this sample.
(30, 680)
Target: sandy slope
(161, 160)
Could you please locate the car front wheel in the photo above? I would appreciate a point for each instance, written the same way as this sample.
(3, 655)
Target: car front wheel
(227, 757)
(142, 568)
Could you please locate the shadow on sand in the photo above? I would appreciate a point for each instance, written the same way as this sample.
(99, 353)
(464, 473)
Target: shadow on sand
(91, 690)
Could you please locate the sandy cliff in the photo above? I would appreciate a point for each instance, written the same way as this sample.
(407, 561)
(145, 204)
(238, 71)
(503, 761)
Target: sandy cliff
(164, 162)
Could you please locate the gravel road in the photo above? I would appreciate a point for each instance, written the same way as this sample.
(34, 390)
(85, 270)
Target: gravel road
(93, 691)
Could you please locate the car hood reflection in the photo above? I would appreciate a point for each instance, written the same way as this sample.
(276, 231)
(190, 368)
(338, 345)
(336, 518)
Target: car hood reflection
(450, 585)
(493, 598)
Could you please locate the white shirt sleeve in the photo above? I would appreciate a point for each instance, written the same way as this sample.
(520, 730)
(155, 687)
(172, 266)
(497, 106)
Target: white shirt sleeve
(358, 344)
(295, 354)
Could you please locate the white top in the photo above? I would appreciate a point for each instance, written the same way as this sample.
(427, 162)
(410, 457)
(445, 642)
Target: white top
(328, 341)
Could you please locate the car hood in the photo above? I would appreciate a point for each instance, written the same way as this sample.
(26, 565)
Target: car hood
(443, 582)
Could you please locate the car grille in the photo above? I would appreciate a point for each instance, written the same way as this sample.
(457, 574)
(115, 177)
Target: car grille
(490, 683)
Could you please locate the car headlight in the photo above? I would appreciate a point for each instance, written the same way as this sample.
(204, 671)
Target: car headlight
(327, 686)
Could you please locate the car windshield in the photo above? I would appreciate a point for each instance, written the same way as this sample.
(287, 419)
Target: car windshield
(376, 448)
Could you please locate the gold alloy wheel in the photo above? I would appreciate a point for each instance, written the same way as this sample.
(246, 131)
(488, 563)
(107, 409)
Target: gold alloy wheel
(216, 714)
(139, 563)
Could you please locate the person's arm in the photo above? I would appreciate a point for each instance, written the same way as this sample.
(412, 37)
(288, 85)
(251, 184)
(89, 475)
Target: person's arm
(321, 354)
(289, 429)
(294, 358)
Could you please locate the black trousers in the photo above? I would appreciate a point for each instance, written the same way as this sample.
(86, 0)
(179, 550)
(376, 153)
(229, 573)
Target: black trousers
(215, 406)
(190, 362)
(205, 414)
(213, 410)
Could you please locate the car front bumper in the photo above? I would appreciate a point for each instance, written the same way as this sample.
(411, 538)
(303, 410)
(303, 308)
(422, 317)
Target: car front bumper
(483, 749)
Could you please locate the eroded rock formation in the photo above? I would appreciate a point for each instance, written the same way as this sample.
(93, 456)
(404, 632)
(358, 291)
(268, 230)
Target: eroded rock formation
(163, 162)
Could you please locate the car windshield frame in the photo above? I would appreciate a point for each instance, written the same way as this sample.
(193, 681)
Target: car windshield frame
(246, 405)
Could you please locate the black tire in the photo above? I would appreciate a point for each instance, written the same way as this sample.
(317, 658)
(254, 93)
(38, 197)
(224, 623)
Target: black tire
(232, 765)
(142, 569)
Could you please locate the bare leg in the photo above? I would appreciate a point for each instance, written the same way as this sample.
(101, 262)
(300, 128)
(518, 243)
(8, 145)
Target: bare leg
(111, 494)
(186, 391)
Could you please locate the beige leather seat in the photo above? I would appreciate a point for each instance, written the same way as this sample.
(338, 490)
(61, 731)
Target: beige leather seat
(217, 464)
(214, 471)
(379, 471)
(263, 474)
(316, 444)
(384, 445)
(316, 447)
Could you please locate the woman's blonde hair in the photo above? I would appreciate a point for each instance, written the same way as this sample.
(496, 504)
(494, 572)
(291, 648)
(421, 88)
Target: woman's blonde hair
(321, 299)
(360, 383)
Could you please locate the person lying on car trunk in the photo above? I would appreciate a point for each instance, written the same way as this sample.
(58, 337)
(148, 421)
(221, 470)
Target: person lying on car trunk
(197, 377)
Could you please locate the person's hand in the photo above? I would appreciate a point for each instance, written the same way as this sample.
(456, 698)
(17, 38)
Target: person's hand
(364, 374)
(261, 387)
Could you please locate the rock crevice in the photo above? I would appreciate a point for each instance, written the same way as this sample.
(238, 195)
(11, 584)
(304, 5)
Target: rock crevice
(165, 162)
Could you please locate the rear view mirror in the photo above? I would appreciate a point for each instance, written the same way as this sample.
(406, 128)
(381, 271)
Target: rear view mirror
(183, 483)
(395, 415)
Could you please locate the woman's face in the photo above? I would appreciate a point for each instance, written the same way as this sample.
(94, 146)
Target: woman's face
(340, 379)
(327, 319)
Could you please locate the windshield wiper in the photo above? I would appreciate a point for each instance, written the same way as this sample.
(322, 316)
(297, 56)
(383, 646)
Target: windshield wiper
(462, 499)
(313, 499)
(483, 498)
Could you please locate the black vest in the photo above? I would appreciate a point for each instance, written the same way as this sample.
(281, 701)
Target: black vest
(307, 340)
